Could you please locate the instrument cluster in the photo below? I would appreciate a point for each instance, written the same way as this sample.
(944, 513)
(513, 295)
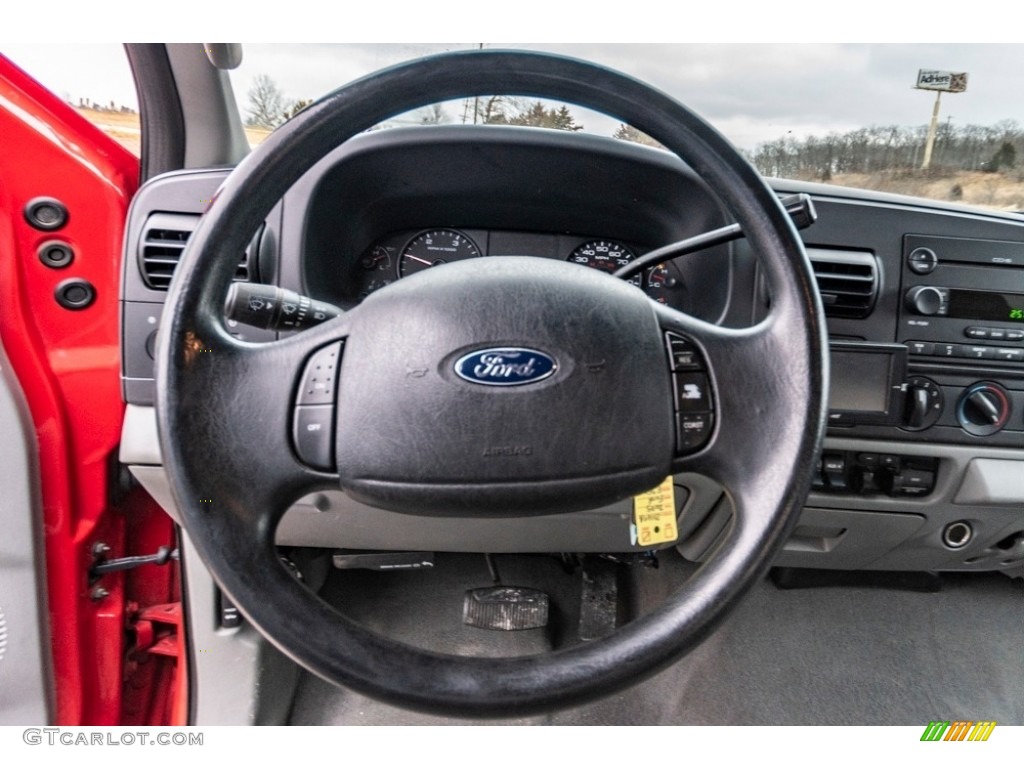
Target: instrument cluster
(402, 254)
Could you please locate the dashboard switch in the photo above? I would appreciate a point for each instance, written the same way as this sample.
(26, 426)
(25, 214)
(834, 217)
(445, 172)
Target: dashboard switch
(913, 482)
(834, 466)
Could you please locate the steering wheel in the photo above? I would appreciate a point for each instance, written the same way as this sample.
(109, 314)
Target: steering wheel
(592, 411)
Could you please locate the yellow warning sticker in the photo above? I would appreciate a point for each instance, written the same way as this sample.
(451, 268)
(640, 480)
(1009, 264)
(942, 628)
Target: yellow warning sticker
(654, 515)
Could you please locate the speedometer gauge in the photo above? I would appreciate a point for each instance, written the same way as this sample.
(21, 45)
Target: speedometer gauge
(434, 247)
(606, 255)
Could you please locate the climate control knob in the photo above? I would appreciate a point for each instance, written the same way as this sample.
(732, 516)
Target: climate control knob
(926, 300)
(983, 409)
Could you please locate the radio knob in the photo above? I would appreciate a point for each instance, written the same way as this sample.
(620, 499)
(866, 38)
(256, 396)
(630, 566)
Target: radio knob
(925, 300)
(983, 409)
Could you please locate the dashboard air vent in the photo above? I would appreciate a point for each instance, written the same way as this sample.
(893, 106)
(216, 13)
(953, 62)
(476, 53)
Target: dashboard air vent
(163, 241)
(847, 281)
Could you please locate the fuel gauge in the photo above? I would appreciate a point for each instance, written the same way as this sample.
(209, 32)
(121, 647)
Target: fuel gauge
(378, 259)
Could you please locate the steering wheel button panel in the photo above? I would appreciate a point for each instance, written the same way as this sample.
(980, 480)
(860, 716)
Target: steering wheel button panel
(691, 389)
(313, 421)
(319, 380)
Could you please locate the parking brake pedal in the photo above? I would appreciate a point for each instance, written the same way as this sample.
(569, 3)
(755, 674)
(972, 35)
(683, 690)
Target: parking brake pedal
(505, 608)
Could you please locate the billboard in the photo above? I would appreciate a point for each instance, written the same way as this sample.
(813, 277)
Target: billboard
(937, 80)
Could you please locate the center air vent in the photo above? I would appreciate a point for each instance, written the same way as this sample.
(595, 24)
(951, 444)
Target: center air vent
(847, 281)
(163, 241)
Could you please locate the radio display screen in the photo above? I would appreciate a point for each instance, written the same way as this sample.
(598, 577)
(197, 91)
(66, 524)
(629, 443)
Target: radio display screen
(865, 383)
(859, 382)
(986, 305)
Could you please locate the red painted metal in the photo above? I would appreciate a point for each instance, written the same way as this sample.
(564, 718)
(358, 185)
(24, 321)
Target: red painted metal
(67, 363)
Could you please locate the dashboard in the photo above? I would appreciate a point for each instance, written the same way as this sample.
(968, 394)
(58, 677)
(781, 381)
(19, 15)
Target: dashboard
(924, 458)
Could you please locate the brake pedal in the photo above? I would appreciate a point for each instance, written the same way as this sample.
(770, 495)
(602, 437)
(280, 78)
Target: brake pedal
(505, 608)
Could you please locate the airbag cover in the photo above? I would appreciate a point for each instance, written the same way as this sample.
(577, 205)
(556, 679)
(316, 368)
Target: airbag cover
(539, 385)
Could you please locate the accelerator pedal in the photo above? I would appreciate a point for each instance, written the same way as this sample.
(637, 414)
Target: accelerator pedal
(505, 609)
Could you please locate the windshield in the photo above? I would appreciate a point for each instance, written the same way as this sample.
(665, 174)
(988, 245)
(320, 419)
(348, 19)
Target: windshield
(893, 118)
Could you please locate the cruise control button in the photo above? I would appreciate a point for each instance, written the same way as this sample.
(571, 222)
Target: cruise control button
(692, 430)
(314, 435)
(683, 354)
(319, 379)
(692, 392)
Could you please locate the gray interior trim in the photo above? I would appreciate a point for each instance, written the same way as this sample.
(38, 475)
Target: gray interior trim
(992, 481)
(237, 677)
(213, 128)
(921, 547)
(978, 485)
(26, 680)
(140, 443)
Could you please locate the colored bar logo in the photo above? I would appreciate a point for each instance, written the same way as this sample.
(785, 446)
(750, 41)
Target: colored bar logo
(958, 730)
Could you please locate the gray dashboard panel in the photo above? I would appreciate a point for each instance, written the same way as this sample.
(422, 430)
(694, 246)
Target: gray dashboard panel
(389, 172)
(844, 532)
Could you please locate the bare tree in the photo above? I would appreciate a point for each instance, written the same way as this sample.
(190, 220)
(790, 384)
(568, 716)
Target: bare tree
(434, 115)
(297, 106)
(266, 103)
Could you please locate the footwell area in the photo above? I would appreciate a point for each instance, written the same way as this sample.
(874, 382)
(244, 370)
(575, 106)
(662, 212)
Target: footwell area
(823, 656)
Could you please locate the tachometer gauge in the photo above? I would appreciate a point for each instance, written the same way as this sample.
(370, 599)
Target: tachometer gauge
(606, 255)
(434, 247)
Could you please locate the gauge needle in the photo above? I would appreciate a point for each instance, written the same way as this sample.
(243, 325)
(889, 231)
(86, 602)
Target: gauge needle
(417, 258)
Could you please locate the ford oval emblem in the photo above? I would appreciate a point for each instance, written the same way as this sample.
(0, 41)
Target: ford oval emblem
(505, 366)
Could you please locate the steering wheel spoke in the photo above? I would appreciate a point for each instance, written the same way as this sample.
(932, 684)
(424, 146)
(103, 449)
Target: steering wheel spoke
(245, 409)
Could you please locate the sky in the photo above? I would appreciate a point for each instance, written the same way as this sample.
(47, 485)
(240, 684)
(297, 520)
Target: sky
(751, 92)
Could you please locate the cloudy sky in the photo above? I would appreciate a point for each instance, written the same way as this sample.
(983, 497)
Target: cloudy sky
(751, 92)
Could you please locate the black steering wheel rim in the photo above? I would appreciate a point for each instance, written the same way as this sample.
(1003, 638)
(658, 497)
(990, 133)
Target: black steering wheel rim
(232, 494)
